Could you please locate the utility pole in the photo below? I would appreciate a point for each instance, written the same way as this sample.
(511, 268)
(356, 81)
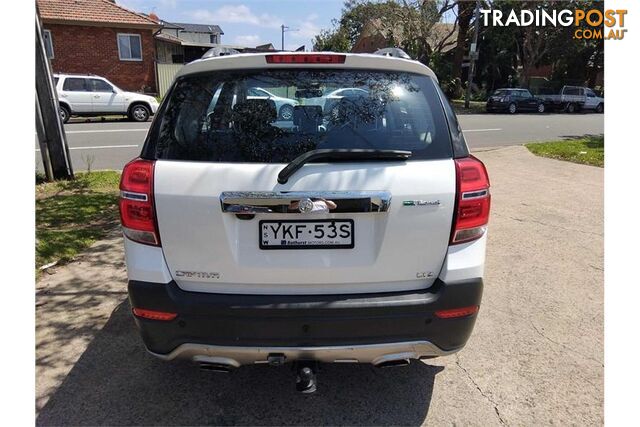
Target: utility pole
(473, 54)
(285, 29)
(51, 136)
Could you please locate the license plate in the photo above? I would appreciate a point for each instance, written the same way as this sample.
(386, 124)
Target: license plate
(306, 234)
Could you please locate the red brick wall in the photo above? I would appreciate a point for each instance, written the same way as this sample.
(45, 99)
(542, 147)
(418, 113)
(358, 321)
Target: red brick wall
(85, 49)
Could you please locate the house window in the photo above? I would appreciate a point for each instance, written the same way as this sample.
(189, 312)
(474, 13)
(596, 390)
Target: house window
(213, 38)
(130, 47)
(48, 43)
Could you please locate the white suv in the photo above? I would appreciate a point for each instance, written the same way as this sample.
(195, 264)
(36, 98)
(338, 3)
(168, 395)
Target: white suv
(354, 237)
(89, 95)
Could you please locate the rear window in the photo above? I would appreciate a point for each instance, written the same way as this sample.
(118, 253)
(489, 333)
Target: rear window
(273, 116)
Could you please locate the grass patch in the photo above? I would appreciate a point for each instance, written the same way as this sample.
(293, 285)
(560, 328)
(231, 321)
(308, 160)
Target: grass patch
(475, 107)
(71, 215)
(587, 150)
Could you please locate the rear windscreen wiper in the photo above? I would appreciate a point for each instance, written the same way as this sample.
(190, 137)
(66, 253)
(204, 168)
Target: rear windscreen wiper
(339, 155)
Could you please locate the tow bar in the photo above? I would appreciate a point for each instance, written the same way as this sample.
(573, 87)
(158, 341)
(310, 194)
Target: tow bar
(306, 377)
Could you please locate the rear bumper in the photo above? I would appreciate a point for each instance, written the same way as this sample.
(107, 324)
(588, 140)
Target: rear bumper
(246, 329)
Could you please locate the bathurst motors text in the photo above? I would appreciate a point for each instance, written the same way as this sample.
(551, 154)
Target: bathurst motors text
(588, 22)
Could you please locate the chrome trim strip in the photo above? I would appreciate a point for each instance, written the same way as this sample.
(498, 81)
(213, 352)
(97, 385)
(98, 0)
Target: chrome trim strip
(478, 194)
(129, 195)
(279, 202)
(370, 353)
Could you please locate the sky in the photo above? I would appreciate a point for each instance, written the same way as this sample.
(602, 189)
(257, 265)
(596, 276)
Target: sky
(249, 22)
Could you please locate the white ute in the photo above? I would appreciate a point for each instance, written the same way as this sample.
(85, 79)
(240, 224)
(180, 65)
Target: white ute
(353, 235)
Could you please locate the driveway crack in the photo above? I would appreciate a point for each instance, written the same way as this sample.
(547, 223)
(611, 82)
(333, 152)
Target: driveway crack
(485, 395)
(543, 335)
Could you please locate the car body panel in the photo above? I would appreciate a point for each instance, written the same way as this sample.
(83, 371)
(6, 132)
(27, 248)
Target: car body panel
(228, 246)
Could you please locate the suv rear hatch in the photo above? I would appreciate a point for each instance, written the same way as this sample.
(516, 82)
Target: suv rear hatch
(337, 225)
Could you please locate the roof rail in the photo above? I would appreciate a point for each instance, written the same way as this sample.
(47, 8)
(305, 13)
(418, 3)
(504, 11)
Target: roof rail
(219, 51)
(396, 52)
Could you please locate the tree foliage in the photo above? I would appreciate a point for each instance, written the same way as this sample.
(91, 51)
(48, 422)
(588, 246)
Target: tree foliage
(355, 15)
(508, 55)
(408, 24)
(518, 51)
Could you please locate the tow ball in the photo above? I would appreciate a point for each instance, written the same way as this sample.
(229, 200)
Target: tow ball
(306, 377)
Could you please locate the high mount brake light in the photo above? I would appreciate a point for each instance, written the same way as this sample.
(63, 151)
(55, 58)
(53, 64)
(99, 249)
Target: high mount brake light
(137, 213)
(473, 200)
(305, 59)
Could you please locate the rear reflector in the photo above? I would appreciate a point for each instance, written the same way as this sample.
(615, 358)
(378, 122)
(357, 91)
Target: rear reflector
(137, 212)
(154, 315)
(457, 312)
(305, 59)
(473, 200)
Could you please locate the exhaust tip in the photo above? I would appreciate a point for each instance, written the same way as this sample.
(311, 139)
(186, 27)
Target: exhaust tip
(393, 363)
(215, 367)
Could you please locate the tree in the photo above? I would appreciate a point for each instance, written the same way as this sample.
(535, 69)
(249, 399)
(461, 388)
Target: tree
(507, 50)
(465, 15)
(418, 19)
(408, 24)
(346, 30)
(332, 40)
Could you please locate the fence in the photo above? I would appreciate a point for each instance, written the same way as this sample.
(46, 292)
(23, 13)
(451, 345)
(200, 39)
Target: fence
(165, 74)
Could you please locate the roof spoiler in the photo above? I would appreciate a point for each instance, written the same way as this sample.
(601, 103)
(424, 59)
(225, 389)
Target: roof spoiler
(392, 51)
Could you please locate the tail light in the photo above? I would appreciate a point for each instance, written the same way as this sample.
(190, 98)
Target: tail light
(473, 200)
(305, 59)
(137, 212)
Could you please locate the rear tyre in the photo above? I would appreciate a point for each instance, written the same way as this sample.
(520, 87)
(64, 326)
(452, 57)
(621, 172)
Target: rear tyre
(286, 112)
(600, 108)
(541, 108)
(65, 114)
(139, 113)
(512, 108)
(571, 108)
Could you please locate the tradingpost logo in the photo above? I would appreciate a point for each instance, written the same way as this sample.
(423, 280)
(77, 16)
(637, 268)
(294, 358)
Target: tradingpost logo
(590, 24)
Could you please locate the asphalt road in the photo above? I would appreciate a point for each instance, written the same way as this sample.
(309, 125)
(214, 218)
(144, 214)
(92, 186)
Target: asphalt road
(109, 145)
(535, 356)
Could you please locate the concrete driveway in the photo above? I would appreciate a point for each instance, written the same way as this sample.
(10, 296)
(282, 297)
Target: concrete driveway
(535, 357)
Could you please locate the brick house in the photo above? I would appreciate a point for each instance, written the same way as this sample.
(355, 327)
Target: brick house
(100, 37)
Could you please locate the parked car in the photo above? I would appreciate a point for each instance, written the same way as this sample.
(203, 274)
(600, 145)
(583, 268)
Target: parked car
(249, 241)
(513, 101)
(89, 95)
(334, 97)
(284, 106)
(574, 98)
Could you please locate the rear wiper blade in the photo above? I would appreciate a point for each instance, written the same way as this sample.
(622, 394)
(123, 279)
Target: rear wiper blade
(339, 154)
